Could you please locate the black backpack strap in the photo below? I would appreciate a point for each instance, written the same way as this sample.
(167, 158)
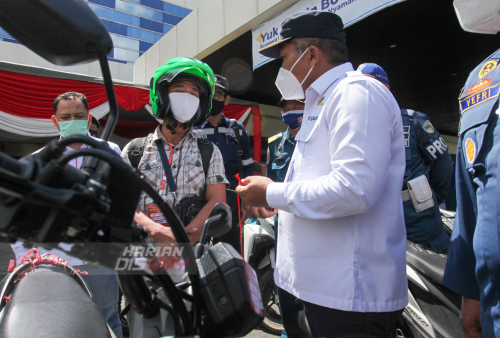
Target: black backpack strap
(236, 129)
(166, 166)
(206, 150)
(136, 149)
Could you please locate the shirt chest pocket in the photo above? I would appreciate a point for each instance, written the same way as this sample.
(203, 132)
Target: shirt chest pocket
(153, 166)
(192, 170)
(152, 170)
(229, 147)
(281, 162)
(309, 146)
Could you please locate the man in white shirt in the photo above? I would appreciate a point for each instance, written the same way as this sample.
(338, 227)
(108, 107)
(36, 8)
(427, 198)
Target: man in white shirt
(341, 233)
(71, 116)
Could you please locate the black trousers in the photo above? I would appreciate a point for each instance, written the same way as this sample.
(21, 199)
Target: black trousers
(233, 236)
(326, 322)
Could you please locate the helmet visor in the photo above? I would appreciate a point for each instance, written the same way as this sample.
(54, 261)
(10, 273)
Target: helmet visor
(173, 73)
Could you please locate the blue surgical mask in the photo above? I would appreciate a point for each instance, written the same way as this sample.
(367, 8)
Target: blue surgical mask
(293, 118)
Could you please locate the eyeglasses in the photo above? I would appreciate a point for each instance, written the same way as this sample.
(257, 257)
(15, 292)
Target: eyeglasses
(218, 96)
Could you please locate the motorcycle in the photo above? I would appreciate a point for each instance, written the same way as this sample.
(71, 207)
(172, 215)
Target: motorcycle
(433, 310)
(45, 201)
(260, 253)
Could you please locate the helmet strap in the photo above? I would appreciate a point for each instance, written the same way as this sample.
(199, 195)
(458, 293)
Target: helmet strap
(171, 124)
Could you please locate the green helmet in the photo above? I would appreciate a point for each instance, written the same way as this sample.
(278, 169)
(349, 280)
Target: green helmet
(178, 69)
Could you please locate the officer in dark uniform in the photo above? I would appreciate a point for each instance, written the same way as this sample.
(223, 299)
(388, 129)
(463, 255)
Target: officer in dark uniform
(235, 150)
(280, 146)
(279, 153)
(473, 265)
(426, 154)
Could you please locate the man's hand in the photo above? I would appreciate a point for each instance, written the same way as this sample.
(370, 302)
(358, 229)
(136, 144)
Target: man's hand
(469, 316)
(254, 191)
(193, 233)
(164, 235)
(258, 212)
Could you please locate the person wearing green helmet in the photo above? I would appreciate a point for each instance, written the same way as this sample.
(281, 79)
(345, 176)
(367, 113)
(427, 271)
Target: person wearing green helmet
(180, 106)
(183, 168)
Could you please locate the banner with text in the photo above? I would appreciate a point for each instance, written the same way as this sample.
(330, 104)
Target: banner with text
(351, 11)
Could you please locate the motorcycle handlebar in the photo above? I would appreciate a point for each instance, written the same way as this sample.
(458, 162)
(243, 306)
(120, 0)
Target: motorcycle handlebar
(10, 164)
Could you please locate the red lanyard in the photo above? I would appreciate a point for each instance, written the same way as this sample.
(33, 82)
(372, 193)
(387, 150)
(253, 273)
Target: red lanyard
(169, 163)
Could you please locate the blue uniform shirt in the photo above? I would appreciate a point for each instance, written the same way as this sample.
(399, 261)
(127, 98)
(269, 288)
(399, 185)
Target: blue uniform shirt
(426, 154)
(279, 152)
(473, 266)
(224, 138)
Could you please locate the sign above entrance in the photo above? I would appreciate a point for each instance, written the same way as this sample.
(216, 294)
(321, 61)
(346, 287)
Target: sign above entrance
(351, 11)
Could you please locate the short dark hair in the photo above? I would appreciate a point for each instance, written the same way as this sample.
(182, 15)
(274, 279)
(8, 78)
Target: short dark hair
(334, 50)
(71, 96)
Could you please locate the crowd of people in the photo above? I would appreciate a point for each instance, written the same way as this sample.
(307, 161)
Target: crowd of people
(349, 191)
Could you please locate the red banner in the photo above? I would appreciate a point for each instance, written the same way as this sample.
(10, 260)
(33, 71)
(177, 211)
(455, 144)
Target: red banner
(33, 96)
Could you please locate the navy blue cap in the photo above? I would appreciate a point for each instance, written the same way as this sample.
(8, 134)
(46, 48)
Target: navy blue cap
(375, 71)
(221, 82)
(310, 24)
(95, 121)
(283, 101)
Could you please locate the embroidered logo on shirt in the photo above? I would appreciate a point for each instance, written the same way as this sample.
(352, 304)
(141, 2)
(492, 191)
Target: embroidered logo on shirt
(488, 67)
(470, 147)
(428, 127)
(312, 118)
(483, 83)
(320, 102)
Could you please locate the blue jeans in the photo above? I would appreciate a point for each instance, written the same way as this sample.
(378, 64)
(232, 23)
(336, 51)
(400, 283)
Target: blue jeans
(104, 286)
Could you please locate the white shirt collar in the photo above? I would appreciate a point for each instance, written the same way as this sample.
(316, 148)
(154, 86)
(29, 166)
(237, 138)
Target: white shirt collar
(324, 81)
(84, 146)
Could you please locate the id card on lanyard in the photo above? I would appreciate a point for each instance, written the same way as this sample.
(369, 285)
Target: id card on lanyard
(155, 214)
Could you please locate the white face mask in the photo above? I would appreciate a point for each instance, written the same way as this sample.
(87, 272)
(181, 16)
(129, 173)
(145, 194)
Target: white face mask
(478, 16)
(184, 106)
(288, 85)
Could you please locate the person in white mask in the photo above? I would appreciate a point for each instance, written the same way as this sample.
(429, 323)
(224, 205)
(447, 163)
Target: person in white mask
(341, 231)
(473, 264)
(72, 117)
(172, 158)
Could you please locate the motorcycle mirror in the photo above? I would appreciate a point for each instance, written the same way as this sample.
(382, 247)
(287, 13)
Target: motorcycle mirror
(62, 32)
(220, 225)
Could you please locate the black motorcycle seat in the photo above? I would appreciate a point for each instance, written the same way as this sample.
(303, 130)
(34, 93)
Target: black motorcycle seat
(428, 262)
(51, 304)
